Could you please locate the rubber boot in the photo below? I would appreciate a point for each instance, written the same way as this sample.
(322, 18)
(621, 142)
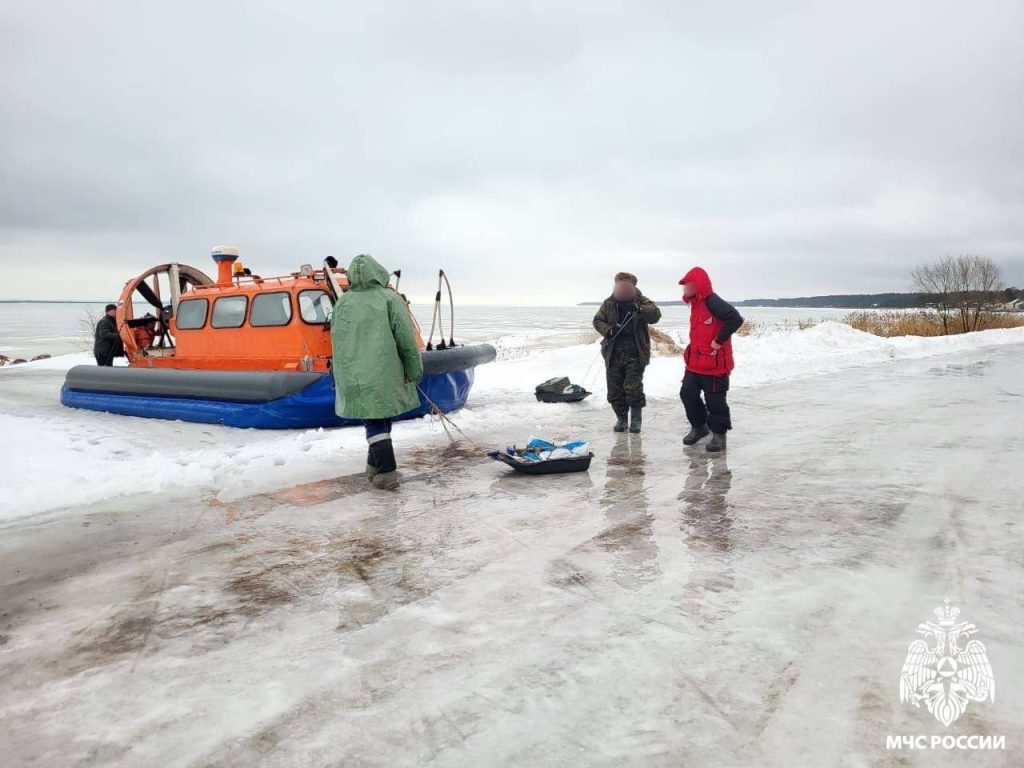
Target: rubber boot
(695, 434)
(621, 425)
(635, 418)
(716, 443)
(386, 481)
(380, 455)
(380, 460)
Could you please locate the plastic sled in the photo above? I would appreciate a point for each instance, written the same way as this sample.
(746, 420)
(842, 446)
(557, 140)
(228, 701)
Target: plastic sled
(563, 397)
(549, 467)
(560, 390)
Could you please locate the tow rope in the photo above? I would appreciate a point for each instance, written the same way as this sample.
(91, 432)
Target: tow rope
(446, 421)
(622, 326)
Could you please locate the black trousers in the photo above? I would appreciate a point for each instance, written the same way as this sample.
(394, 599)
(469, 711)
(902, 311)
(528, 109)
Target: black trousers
(713, 410)
(105, 360)
(381, 453)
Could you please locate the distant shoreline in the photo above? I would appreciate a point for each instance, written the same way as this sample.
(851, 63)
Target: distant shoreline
(852, 301)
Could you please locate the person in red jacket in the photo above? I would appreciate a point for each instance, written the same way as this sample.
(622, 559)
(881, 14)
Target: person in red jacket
(708, 359)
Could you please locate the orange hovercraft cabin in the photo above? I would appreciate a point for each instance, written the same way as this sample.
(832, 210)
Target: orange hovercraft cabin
(245, 350)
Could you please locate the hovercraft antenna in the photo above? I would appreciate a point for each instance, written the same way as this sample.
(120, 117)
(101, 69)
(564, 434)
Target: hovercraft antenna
(451, 306)
(436, 321)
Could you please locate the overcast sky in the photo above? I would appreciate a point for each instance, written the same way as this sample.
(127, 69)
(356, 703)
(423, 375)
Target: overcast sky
(532, 149)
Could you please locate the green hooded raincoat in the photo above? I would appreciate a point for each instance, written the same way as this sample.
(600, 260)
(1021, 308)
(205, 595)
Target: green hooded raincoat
(377, 361)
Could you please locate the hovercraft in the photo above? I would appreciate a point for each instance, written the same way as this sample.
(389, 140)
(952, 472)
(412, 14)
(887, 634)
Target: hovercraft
(247, 351)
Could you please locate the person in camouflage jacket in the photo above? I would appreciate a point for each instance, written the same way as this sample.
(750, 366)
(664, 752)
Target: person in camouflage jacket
(623, 321)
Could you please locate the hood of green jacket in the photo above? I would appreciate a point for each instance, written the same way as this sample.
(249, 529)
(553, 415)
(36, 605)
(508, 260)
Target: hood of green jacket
(365, 273)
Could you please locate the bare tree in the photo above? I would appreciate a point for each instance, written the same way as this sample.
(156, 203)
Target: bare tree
(938, 280)
(978, 279)
(87, 329)
(963, 286)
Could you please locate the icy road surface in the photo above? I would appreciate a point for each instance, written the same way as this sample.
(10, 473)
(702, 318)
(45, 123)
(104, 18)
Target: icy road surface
(666, 608)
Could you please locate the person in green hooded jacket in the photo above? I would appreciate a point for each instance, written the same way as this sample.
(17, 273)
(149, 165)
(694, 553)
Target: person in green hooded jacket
(377, 362)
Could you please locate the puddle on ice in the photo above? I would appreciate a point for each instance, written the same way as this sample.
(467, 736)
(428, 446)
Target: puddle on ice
(302, 495)
(425, 458)
(364, 574)
(422, 464)
(978, 368)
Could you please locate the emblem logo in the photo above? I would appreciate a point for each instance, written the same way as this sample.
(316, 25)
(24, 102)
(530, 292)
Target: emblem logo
(946, 670)
(709, 321)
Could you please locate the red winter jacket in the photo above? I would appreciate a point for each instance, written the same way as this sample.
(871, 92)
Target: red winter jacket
(711, 318)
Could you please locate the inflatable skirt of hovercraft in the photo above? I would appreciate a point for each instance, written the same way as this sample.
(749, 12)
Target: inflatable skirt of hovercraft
(256, 399)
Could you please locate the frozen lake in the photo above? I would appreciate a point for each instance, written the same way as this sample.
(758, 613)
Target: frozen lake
(34, 328)
(665, 608)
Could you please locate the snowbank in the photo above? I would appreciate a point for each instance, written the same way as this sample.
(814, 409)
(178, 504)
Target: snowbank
(834, 346)
(59, 363)
(53, 458)
(785, 354)
(57, 462)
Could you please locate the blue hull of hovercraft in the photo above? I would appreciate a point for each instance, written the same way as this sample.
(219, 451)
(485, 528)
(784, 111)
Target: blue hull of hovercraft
(308, 408)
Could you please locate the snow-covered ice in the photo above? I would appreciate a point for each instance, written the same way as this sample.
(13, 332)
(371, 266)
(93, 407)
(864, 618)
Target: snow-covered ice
(52, 456)
(176, 594)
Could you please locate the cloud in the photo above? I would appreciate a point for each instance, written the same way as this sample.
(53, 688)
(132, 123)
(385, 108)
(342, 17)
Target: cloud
(531, 149)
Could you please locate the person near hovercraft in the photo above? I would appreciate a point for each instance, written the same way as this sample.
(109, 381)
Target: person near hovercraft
(708, 359)
(107, 342)
(376, 363)
(623, 321)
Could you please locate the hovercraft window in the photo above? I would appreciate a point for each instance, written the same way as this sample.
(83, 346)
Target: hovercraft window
(191, 314)
(229, 312)
(270, 309)
(314, 306)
